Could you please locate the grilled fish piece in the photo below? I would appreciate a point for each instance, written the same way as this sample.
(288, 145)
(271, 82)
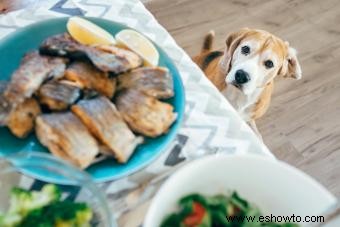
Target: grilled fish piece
(154, 81)
(64, 45)
(145, 114)
(106, 124)
(58, 66)
(33, 71)
(89, 77)
(21, 120)
(66, 137)
(134, 59)
(5, 107)
(58, 95)
(108, 62)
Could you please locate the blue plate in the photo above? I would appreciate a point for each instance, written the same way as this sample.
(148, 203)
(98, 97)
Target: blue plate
(12, 49)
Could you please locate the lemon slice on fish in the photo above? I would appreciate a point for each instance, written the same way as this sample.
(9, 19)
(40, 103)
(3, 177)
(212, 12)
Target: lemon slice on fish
(139, 44)
(88, 33)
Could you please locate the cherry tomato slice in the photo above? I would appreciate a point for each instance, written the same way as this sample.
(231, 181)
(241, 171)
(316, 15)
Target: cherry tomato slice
(196, 217)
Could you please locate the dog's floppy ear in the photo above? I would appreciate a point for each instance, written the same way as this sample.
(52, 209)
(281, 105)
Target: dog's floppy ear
(232, 42)
(291, 67)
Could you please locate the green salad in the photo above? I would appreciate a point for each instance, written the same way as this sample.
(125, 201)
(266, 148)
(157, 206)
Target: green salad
(44, 209)
(217, 211)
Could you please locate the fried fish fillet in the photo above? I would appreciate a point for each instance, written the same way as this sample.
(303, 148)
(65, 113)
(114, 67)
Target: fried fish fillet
(21, 120)
(134, 59)
(89, 77)
(145, 114)
(66, 137)
(5, 107)
(58, 95)
(33, 71)
(64, 45)
(106, 124)
(154, 81)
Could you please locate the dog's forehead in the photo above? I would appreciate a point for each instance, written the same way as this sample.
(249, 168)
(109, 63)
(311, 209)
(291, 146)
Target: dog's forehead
(266, 42)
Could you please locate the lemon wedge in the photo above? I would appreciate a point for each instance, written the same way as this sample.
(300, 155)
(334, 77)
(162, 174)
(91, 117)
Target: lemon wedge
(86, 32)
(139, 44)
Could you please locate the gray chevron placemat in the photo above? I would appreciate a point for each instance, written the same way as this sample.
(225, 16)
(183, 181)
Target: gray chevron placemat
(211, 125)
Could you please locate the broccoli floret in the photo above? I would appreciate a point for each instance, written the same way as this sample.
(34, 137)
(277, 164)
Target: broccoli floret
(67, 210)
(44, 209)
(60, 223)
(60, 214)
(48, 194)
(23, 201)
(19, 200)
(37, 218)
(72, 214)
(84, 216)
(9, 220)
(82, 219)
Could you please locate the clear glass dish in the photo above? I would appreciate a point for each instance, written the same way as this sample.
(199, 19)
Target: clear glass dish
(16, 169)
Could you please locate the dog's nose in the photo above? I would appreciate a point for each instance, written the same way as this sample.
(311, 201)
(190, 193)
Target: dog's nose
(241, 76)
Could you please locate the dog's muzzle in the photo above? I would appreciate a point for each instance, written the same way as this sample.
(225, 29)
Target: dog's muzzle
(241, 77)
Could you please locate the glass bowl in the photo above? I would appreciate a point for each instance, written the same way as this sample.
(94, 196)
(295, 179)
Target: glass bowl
(16, 171)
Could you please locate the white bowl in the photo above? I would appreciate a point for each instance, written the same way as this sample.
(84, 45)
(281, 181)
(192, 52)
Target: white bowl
(274, 186)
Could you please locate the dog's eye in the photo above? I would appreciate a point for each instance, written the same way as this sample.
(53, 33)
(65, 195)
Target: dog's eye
(245, 50)
(269, 64)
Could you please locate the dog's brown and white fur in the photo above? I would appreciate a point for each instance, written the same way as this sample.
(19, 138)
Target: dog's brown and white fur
(245, 71)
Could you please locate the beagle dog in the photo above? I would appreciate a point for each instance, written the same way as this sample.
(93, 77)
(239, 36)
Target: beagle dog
(244, 73)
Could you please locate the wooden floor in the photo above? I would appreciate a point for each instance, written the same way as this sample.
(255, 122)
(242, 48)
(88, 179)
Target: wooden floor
(302, 125)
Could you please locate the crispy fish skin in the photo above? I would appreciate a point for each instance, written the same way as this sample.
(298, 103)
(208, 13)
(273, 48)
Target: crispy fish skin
(64, 45)
(58, 66)
(106, 124)
(5, 107)
(66, 137)
(107, 62)
(89, 77)
(33, 71)
(134, 60)
(21, 120)
(58, 95)
(145, 114)
(153, 81)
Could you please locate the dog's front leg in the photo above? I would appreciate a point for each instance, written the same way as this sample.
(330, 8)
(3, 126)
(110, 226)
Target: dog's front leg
(252, 125)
